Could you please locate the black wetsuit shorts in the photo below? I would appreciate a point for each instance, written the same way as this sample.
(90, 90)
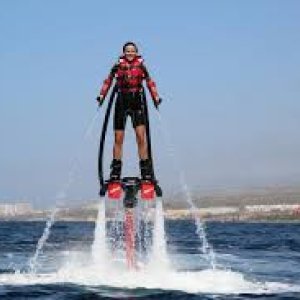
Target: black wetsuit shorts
(129, 104)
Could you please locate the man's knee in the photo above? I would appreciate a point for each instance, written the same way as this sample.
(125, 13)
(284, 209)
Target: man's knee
(141, 140)
(119, 139)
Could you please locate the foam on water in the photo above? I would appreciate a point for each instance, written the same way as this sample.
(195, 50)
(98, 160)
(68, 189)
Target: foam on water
(205, 281)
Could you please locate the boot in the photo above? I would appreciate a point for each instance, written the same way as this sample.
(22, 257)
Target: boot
(146, 169)
(115, 170)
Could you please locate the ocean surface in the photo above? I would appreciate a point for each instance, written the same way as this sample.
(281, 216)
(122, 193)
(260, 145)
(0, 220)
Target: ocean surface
(253, 261)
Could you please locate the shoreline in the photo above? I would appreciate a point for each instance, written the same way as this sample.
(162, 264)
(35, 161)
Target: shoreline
(168, 219)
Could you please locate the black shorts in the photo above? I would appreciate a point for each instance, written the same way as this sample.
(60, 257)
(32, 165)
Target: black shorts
(130, 104)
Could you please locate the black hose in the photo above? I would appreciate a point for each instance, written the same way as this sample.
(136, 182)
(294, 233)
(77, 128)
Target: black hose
(148, 134)
(103, 135)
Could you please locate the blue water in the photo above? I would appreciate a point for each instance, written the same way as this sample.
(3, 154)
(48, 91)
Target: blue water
(261, 253)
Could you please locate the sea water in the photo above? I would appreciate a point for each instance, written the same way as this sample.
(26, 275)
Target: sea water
(67, 269)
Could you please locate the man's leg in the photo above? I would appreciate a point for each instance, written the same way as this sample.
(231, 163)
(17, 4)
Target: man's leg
(119, 129)
(140, 132)
(145, 163)
(118, 145)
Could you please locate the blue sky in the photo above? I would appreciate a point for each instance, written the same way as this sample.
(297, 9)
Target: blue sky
(228, 72)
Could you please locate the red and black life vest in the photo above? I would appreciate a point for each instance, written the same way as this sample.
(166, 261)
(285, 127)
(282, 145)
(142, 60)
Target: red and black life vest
(129, 76)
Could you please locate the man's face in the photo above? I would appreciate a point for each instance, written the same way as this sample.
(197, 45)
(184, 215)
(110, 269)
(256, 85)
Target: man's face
(130, 52)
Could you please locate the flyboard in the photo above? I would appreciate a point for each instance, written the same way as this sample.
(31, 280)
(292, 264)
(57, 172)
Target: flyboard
(129, 190)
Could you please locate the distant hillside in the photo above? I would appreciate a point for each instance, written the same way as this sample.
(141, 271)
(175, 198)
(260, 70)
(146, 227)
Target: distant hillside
(237, 197)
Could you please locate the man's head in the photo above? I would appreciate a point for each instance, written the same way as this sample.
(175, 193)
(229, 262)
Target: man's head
(130, 51)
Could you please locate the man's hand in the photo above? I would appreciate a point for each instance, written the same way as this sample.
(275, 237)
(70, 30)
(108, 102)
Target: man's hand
(100, 100)
(157, 101)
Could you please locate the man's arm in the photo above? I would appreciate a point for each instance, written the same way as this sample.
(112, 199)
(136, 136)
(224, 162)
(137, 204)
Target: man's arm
(107, 84)
(151, 86)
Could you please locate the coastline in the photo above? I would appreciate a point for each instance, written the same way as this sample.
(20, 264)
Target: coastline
(170, 215)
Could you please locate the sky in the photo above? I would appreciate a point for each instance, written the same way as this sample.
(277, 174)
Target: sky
(227, 71)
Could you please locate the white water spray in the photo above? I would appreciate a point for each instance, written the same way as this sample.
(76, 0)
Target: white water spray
(99, 250)
(206, 248)
(145, 215)
(33, 260)
(60, 197)
(159, 257)
(116, 229)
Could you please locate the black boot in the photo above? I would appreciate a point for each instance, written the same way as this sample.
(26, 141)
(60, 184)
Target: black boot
(115, 170)
(146, 169)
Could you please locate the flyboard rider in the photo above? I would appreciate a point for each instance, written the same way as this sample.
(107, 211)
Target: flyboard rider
(130, 71)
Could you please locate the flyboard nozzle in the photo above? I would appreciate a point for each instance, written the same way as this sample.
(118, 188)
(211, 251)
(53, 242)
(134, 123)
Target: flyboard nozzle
(131, 186)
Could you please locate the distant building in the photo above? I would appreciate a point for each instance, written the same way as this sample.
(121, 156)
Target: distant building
(15, 209)
(219, 210)
(272, 208)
